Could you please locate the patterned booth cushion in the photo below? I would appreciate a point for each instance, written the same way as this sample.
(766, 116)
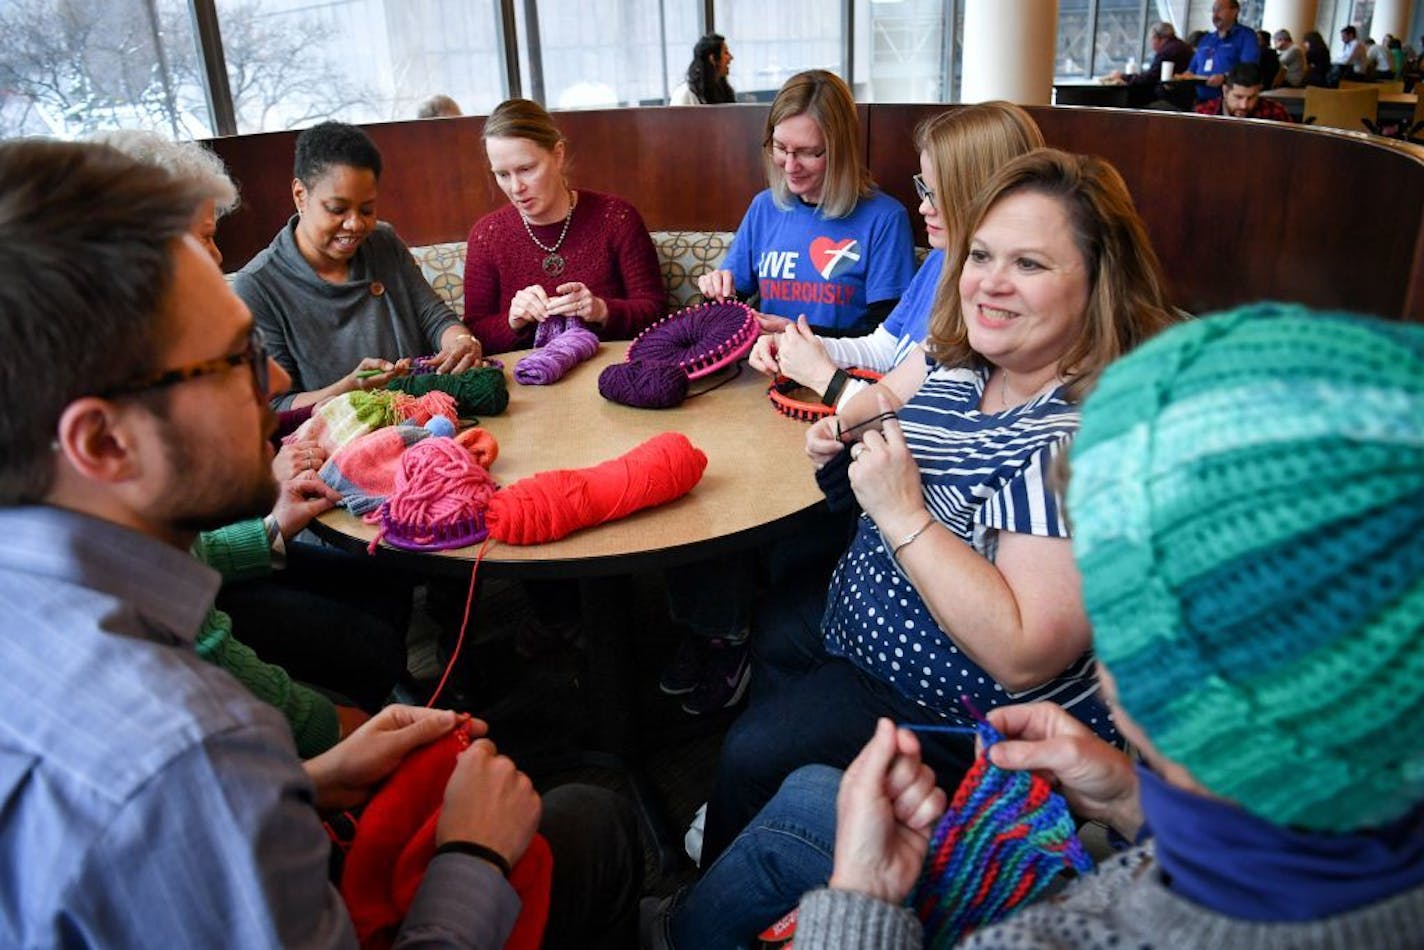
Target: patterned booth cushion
(683, 256)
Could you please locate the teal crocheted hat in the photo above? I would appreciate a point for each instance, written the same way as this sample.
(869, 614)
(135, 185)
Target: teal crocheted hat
(1247, 498)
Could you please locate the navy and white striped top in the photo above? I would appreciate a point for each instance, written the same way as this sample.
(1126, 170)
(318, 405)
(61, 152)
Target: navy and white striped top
(982, 473)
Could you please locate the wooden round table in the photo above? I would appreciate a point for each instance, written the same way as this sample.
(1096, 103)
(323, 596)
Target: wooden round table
(758, 478)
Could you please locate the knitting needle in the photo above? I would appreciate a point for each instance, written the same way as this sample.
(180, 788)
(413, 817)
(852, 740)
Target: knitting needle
(928, 727)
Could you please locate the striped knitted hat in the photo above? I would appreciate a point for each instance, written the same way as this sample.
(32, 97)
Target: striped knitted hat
(1248, 511)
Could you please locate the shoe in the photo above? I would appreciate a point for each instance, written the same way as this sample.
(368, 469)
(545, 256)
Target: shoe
(692, 841)
(653, 916)
(725, 675)
(682, 675)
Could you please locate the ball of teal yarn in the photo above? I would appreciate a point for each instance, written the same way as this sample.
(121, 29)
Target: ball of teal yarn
(1247, 498)
(439, 425)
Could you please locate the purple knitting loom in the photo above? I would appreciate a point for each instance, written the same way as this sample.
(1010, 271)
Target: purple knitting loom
(700, 339)
(460, 533)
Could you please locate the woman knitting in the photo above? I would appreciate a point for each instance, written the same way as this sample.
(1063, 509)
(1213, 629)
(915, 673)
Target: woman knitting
(821, 240)
(339, 300)
(1253, 580)
(554, 251)
(959, 150)
(960, 580)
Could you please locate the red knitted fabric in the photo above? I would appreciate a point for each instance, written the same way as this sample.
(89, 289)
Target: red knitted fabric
(395, 840)
(607, 248)
(550, 505)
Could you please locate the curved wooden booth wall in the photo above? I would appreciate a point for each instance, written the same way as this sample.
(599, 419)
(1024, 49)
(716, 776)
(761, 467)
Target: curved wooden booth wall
(1237, 210)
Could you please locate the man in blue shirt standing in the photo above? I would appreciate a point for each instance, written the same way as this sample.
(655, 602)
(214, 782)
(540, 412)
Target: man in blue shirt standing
(1230, 43)
(151, 800)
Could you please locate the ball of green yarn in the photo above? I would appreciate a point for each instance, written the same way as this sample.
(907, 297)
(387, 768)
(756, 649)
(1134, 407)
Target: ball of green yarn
(477, 392)
(376, 408)
(1247, 497)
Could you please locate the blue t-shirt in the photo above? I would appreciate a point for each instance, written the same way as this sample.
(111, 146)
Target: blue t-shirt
(910, 320)
(981, 473)
(1239, 46)
(830, 269)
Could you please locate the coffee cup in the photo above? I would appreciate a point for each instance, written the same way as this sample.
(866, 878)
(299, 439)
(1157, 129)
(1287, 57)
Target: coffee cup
(1169, 69)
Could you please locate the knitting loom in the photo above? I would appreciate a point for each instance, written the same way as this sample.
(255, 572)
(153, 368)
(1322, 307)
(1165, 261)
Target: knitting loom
(787, 396)
(700, 339)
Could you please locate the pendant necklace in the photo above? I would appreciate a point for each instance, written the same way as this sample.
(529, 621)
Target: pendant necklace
(553, 260)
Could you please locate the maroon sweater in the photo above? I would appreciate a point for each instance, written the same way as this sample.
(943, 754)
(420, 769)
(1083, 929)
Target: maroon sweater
(607, 248)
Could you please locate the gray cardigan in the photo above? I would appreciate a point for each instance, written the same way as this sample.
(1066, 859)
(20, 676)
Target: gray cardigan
(1122, 904)
(318, 331)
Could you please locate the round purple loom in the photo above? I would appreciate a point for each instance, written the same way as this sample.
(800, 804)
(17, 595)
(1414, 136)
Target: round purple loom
(700, 339)
(457, 533)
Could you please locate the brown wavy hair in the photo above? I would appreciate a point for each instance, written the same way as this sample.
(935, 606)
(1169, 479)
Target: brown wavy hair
(1127, 300)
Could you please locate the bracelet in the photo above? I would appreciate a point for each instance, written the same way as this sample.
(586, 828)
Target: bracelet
(475, 851)
(833, 391)
(909, 538)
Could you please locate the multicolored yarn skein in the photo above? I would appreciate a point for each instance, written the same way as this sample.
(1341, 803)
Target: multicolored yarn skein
(478, 392)
(1004, 839)
(560, 344)
(551, 505)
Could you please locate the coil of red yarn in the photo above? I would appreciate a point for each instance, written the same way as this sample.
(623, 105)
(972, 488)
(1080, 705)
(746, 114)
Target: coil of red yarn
(551, 505)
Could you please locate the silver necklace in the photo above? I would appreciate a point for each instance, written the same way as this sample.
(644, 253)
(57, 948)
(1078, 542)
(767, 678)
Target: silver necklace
(553, 261)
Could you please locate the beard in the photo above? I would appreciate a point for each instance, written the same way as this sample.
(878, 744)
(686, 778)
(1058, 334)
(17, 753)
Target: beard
(211, 488)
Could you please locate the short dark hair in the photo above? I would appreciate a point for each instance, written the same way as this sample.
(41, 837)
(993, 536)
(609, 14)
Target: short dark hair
(86, 260)
(1347, 28)
(1244, 74)
(334, 143)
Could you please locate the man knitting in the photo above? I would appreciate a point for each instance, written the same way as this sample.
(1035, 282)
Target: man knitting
(1247, 499)
(149, 799)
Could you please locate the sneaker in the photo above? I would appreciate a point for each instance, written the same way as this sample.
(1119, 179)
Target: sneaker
(685, 671)
(725, 675)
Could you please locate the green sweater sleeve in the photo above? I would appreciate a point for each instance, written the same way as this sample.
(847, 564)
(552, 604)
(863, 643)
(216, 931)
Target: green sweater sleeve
(311, 716)
(237, 552)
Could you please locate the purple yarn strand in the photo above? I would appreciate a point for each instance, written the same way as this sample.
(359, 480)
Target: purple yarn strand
(560, 344)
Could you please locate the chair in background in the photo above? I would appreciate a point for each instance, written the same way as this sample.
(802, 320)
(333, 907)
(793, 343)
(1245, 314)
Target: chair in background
(1390, 87)
(1347, 109)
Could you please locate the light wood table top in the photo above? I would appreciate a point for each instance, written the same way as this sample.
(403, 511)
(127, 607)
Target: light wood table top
(758, 477)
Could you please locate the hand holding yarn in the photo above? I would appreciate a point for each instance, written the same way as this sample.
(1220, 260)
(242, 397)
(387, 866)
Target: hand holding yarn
(886, 479)
(489, 801)
(802, 356)
(717, 285)
(373, 373)
(345, 774)
(823, 440)
(887, 806)
(530, 305)
(296, 457)
(770, 323)
(459, 351)
(576, 300)
(764, 354)
(1097, 780)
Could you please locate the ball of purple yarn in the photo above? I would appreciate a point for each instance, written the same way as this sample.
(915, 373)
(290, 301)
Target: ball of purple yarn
(691, 334)
(644, 384)
(561, 343)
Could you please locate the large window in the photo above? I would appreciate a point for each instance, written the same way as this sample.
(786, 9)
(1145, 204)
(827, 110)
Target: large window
(1097, 36)
(774, 41)
(72, 67)
(900, 49)
(292, 63)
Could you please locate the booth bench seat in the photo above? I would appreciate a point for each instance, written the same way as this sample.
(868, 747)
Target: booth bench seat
(682, 256)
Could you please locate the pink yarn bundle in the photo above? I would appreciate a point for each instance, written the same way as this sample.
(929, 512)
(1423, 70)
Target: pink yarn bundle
(439, 499)
(422, 409)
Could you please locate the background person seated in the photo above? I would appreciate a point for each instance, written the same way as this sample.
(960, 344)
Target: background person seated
(706, 83)
(1241, 98)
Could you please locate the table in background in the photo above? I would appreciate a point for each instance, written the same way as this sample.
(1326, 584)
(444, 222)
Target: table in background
(1393, 107)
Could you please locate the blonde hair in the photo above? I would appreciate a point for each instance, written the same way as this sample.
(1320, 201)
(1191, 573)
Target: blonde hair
(1126, 295)
(967, 146)
(185, 161)
(826, 99)
(523, 119)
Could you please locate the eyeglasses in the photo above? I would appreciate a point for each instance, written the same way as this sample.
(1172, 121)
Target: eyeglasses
(783, 153)
(923, 190)
(254, 356)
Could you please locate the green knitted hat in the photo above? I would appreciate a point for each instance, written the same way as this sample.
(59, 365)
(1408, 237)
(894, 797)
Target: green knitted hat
(1247, 500)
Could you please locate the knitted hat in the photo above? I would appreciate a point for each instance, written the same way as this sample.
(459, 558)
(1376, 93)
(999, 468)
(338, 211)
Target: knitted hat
(364, 470)
(1247, 500)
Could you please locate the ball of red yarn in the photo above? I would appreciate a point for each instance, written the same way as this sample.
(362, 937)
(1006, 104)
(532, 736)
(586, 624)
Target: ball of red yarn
(553, 504)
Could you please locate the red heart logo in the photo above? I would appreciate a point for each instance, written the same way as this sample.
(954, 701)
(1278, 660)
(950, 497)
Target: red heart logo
(834, 257)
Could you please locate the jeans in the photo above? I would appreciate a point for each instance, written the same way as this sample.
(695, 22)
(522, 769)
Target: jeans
(784, 852)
